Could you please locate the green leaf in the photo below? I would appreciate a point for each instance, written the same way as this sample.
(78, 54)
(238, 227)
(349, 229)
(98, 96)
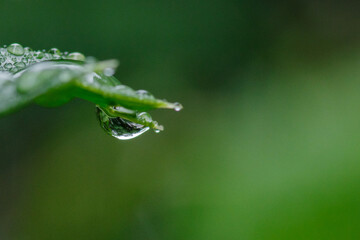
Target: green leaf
(58, 79)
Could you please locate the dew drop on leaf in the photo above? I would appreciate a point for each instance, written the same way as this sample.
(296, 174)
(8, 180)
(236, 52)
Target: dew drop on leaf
(118, 127)
(16, 49)
(20, 65)
(76, 56)
(109, 72)
(144, 116)
(39, 55)
(178, 106)
(144, 94)
(27, 49)
(55, 51)
(8, 66)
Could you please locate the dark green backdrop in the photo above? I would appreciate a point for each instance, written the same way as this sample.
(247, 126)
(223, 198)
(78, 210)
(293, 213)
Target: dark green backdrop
(267, 146)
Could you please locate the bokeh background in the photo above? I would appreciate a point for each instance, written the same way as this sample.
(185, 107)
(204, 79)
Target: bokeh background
(267, 146)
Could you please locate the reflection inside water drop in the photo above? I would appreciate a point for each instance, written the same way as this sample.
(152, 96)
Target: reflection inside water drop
(118, 127)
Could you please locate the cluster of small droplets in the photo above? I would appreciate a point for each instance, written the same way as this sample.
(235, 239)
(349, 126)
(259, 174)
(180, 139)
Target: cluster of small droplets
(15, 57)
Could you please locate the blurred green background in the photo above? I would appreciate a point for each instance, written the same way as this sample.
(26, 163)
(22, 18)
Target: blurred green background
(267, 146)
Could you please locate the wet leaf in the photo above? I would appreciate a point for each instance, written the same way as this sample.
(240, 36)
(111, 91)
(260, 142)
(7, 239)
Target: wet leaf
(52, 79)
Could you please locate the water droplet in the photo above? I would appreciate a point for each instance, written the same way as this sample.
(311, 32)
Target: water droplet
(109, 72)
(157, 128)
(177, 106)
(76, 56)
(20, 65)
(55, 51)
(27, 49)
(123, 89)
(144, 94)
(8, 66)
(118, 127)
(16, 49)
(39, 55)
(144, 116)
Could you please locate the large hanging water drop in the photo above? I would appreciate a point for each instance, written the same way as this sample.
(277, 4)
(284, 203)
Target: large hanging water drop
(118, 127)
(16, 49)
